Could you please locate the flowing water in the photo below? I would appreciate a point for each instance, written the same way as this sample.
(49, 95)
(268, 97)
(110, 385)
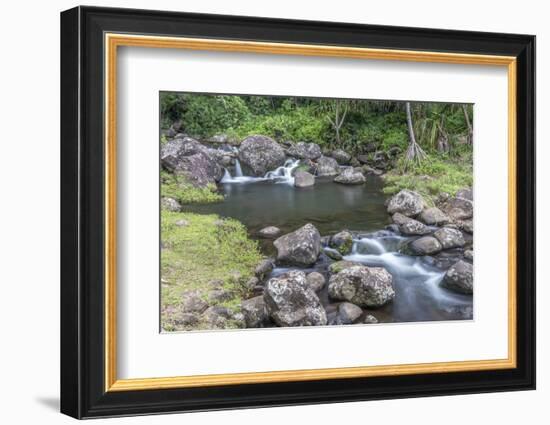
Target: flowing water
(272, 200)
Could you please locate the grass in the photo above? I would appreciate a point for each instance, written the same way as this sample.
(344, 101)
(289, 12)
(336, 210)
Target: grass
(432, 176)
(207, 248)
(177, 187)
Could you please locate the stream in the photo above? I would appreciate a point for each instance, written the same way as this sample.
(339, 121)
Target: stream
(273, 200)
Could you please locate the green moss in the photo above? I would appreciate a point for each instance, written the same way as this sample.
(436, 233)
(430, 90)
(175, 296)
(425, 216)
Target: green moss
(177, 187)
(206, 248)
(435, 175)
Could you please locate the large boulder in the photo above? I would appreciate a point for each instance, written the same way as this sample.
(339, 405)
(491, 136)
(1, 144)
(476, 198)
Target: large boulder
(449, 238)
(459, 278)
(433, 217)
(363, 286)
(303, 179)
(458, 208)
(342, 242)
(255, 312)
(187, 157)
(302, 150)
(406, 202)
(260, 154)
(299, 248)
(350, 176)
(414, 227)
(291, 302)
(341, 156)
(426, 245)
(327, 166)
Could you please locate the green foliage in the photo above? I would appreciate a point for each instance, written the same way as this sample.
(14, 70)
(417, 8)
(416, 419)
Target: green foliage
(432, 176)
(205, 248)
(177, 187)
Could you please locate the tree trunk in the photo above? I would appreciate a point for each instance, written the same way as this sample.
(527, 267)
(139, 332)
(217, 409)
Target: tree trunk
(470, 129)
(414, 151)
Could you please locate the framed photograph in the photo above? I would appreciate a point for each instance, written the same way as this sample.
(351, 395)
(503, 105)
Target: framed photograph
(261, 212)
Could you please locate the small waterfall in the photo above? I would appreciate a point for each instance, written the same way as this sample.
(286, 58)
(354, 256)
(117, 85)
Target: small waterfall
(282, 174)
(238, 170)
(371, 245)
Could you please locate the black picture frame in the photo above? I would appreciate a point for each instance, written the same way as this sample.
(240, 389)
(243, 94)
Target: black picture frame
(82, 206)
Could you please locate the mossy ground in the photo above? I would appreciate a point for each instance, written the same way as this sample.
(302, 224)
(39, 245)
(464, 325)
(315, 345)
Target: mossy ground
(434, 175)
(206, 248)
(177, 187)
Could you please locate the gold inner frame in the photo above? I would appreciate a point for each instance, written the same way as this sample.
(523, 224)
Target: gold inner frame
(113, 41)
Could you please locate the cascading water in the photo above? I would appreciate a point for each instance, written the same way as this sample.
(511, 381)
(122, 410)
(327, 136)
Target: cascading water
(412, 278)
(282, 174)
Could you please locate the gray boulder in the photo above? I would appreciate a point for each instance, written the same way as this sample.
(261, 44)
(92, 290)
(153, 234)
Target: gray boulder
(255, 312)
(449, 238)
(299, 248)
(433, 217)
(350, 176)
(302, 150)
(327, 166)
(260, 154)
(465, 193)
(269, 232)
(291, 302)
(348, 313)
(363, 286)
(187, 157)
(315, 281)
(413, 227)
(458, 208)
(192, 302)
(341, 156)
(342, 242)
(406, 202)
(459, 278)
(469, 255)
(303, 179)
(332, 253)
(466, 225)
(170, 204)
(338, 266)
(426, 245)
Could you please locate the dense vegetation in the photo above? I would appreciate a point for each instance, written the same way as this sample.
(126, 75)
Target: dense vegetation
(198, 249)
(442, 131)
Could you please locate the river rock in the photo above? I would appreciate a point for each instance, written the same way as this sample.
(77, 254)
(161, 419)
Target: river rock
(342, 242)
(406, 202)
(216, 317)
(413, 227)
(469, 255)
(332, 253)
(315, 281)
(370, 319)
(465, 193)
(327, 166)
(433, 217)
(302, 150)
(303, 179)
(458, 208)
(260, 154)
(363, 159)
(299, 248)
(466, 225)
(350, 176)
(449, 238)
(219, 295)
(348, 313)
(255, 312)
(187, 157)
(170, 204)
(459, 278)
(341, 156)
(362, 285)
(193, 303)
(338, 266)
(426, 245)
(291, 302)
(269, 232)
(371, 171)
(399, 218)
